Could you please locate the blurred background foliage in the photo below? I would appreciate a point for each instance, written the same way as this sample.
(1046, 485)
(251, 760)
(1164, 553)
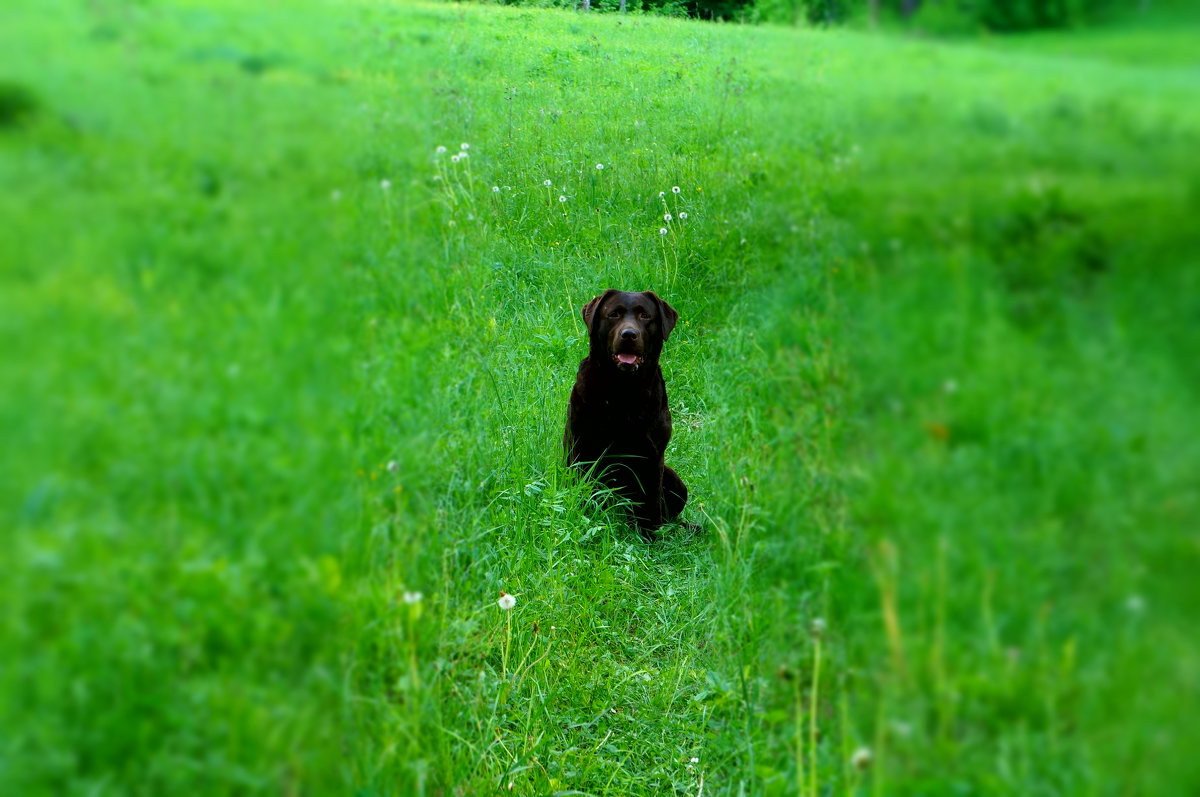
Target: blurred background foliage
(933, 16)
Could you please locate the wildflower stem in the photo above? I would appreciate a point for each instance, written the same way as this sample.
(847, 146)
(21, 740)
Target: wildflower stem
(666, 262)
(414, 673)
(387, 209)
(812, 716)
(799, 703)
(507, 643)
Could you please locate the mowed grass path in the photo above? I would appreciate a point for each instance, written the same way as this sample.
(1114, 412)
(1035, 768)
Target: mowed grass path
(930, 391)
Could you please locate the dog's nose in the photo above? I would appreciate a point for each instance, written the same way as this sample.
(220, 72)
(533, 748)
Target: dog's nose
(628, 334)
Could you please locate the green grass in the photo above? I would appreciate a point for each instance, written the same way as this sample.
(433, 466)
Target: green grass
(933, 385)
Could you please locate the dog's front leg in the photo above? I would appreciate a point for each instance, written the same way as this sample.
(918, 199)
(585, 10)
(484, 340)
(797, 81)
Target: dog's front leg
(649, 511)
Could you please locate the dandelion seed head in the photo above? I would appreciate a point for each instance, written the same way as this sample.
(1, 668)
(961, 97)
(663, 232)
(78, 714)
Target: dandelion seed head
(683, 214)
(385, 184)
(662, 194)
(562, 198)
(440, 150)
(495, 189)
(455, 158)
(599, 167)
(393, 466)
(674, 189)
(546, 183)
(817, 629)
(463, 155)
(662, 230)
(666, 217)
(411, 597)
(506, 601)
(464, 147)
(694, 760)
(861, 758)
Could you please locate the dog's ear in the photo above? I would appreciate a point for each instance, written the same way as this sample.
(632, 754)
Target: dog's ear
(669, 316)
(589, 309)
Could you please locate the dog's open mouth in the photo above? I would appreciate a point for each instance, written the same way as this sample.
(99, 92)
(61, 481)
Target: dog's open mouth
(627, 361)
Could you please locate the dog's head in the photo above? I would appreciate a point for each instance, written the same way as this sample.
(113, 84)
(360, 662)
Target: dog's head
(628, 329)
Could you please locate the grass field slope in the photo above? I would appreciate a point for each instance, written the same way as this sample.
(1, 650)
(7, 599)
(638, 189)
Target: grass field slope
(290, 304)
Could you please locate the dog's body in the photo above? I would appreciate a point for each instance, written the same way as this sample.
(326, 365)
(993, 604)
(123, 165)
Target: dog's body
(618, 421)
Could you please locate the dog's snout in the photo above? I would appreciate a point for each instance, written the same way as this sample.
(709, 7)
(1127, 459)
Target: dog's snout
(629, 334)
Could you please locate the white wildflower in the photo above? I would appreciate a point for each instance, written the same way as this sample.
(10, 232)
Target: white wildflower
(393, 466)
(861, 758)
(546, 183)
(506, 601)
(562, 198)
(662, 230)
(440, 150)
(495, 189)
(683, 214)
(455, 158)
(817, 629)
(674, 189)
(666, 217)
(599, 167)
(464, 147)
(385, 184)
(412, 598)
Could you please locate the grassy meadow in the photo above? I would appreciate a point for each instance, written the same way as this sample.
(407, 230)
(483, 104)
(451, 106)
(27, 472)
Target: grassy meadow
(285, 386)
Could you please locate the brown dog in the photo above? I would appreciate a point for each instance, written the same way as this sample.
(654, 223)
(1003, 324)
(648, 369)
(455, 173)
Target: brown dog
(618, 422)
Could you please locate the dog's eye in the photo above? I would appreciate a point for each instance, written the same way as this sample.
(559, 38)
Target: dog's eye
(644, 316)
(614, 313)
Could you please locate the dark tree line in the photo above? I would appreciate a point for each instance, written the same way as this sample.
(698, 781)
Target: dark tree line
(994, 15)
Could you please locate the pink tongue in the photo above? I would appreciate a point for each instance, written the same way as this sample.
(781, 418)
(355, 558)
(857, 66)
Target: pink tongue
(627, 359)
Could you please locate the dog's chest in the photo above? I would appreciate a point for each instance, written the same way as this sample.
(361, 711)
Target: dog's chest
(621, 424)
